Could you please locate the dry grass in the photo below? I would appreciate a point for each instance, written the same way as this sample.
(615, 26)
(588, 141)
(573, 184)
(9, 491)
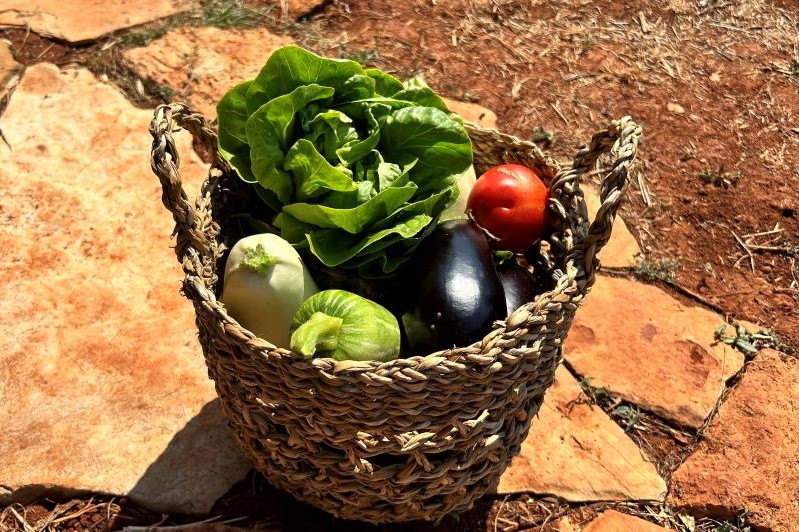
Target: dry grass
(64, 516)
(679, 45)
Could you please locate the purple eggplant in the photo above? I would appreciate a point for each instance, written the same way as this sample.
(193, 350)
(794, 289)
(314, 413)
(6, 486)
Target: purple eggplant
(518, 283)
(452, 291)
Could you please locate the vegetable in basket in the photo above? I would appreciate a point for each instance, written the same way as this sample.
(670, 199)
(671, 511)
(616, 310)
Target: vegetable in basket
(465, 184)
(453, 292)
(345, 326)
(518, 284)
(265, 282)
(355, 165)
(510, 202)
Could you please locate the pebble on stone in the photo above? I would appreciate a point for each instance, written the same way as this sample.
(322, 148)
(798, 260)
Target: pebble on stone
(102, 382)
(646, 347)
(79, 21)
(575, 451)
(749, 456)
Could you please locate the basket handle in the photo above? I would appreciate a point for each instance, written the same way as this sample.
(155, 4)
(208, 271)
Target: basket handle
(621, 140)
(165, 162)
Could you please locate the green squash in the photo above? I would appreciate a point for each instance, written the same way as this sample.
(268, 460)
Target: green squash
(345, 326)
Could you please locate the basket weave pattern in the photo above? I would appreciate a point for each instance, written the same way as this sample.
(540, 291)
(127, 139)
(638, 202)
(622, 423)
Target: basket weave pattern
(413, 438)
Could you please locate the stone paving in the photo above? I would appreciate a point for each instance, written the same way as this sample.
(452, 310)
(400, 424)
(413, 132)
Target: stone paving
(576, 452)
(82, 21)
(102, 384)
(100, 369)
(749, 458)
(663, 360)
(201, 63)
(613, 521)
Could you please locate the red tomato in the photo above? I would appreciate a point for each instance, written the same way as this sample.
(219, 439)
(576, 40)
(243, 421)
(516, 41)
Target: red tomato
(510, 202)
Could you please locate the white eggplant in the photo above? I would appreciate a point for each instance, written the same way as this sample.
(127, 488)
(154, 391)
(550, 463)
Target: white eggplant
(265, 283)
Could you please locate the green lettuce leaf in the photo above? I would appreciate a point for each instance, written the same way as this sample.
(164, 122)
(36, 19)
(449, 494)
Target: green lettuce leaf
(313, 175)
(385, 84)
(291, 67)
(357, 165)
(329, 130)
(357, 219)
(355, 150)
(233, 145)
(439, 144)
(415, 90)
(334, 247)
(268, 133)
(293, 230)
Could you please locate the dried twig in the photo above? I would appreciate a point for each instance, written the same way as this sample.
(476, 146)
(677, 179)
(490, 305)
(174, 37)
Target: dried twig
(22, 521)
(644, 190)
(644, 24)
(786, 247)
(499, 511)
(777, 230)
(208, 521)
(559, 113)
(747, 250)
(87, 508)
(43, 52)
(514, 50)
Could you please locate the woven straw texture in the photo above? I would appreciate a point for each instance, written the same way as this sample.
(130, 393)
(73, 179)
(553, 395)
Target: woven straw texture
(413, 438)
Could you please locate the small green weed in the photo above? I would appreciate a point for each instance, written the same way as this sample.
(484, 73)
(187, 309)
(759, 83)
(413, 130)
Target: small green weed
(364, 56)
(790, 69)
(629, 417)
(662, 270)
(145, 37)
(164, 92)
(543, 136)
(226, 15)
(597, 396)
(739, 525)
(586, 44)
(751, 343)
(469, 96)
(222, 14)
(720, 178)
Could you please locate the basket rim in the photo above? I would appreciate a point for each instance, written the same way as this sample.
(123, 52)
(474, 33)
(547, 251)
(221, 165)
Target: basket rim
(455, 356)
(573, 274)
(458, 357)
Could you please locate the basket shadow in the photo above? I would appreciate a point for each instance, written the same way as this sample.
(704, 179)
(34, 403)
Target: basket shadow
(254, 504)
(196, 468)
(203, 474)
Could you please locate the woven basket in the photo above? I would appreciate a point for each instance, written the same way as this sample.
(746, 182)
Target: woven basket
(413, 438)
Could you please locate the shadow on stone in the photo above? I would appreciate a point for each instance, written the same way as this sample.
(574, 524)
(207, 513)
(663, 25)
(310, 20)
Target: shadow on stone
(198, 466)
(254, 504)
(203, 475)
